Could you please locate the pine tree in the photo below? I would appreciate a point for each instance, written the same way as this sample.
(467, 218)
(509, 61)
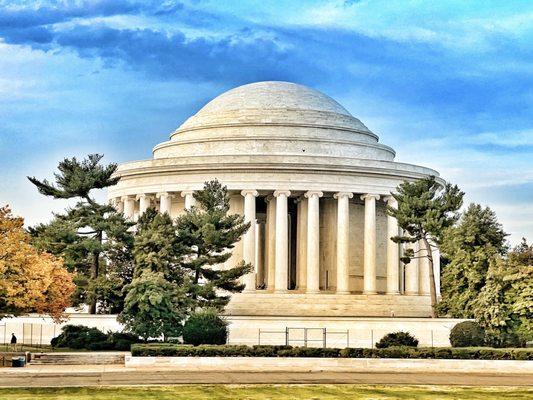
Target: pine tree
(156, 246)
(469, 248)
(93, 237)
(425, 210)
(208, 234)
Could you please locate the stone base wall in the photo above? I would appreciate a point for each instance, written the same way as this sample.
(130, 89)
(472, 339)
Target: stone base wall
(339, 331)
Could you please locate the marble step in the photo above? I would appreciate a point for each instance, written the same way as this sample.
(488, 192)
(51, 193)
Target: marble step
(79, 358)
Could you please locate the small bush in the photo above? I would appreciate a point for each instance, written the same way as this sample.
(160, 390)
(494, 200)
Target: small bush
(397, 339)
(78, 337)
(467, 334)
(83, 337)
(205, 327)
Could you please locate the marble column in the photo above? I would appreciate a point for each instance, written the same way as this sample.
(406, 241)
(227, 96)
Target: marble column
(144, 203)
(436, 270)
(423, 270)
(301, 244)
(129, 206)
(393, 251)
(313, 241)
(118, 204)
(165, 202)
(249, 238)
(343, 241)
(260, 253)
(282, 242)
(190, 201)
(271, 241)
(411, 272)
(369, 239)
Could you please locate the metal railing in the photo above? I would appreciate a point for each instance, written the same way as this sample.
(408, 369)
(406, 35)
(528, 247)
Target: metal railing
(32, 335)
(323, 337)
(304, 337)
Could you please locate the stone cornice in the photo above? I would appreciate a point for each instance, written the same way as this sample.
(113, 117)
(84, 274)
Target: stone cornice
(277, 124)
(273, 138)
(393, 169)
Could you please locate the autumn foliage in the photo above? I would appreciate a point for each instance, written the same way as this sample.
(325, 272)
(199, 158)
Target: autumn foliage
(30, 280)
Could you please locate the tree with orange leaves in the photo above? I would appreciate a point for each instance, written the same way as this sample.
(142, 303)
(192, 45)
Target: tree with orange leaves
(30, 280)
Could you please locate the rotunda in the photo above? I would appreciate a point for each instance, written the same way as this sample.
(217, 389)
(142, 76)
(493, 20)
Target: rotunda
(314, 181)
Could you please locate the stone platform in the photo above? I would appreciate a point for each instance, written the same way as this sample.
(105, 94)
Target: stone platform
(295, 304)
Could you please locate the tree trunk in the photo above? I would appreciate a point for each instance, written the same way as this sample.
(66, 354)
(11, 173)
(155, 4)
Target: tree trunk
(432, 284)
(95, 270)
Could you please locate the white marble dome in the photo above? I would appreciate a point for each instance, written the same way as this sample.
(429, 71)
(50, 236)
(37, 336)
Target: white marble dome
(269, 118)
(273, 102)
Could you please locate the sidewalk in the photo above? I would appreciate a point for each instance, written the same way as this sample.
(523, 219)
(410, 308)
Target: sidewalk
(117, 375)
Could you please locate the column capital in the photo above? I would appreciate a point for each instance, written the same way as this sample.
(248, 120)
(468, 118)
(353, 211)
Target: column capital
(143, 196)
(391, 201)
(278, 193)
(311, 193)
(269, 198)
(187, 193)
(163, 194)
(246, 192)
(339, 195)
(370, 196)
(127, 197)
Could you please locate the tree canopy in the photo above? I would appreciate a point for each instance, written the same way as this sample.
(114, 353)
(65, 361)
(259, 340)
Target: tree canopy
(93, 238)
(425, 210)
(208, 234)
(469, 248)
(179, 264)
(30, 280)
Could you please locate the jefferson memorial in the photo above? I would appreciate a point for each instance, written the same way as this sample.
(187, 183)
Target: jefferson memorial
(314, 182)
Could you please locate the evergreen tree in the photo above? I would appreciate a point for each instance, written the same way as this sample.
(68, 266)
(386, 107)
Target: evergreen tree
(154, 307)
(208, 234)
(469, 248)
(425, 210)
(156, 246)
(93, 237)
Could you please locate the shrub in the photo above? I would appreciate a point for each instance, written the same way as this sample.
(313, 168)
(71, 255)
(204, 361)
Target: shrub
(205, 327)
(83, 337)
(397, 339)
(467, 334)
(351, 352)
(78, 337)
(482, 353)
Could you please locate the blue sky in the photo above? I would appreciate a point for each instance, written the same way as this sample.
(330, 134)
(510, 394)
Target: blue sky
(448, 84)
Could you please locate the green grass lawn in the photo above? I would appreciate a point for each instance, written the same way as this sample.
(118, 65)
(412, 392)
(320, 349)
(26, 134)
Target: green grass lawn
(263, 392)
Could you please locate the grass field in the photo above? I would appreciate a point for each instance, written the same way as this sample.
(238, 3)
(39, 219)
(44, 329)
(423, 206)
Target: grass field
(263, 392)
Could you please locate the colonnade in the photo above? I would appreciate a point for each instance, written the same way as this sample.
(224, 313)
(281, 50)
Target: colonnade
(414, 278)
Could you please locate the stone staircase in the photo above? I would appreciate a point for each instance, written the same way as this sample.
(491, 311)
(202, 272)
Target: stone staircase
(79, 358)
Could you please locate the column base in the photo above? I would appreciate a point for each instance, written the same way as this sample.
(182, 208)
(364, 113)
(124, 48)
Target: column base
(395, 293)
(312, 292)
(281, 291)
(370, 292)
(411, 293)
(248, 291)
(342, 292)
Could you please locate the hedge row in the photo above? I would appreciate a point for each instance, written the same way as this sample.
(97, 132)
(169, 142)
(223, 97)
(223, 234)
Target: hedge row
(475, 353)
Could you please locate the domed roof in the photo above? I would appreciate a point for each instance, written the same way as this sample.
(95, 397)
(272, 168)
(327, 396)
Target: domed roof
(273, 95)
(273, 103)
